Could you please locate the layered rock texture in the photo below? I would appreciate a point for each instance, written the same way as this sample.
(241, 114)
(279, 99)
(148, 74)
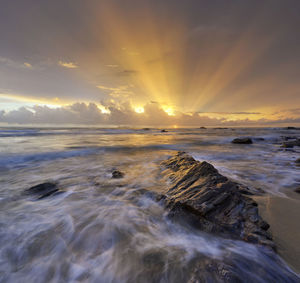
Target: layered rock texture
(212, 202)
(200, 196)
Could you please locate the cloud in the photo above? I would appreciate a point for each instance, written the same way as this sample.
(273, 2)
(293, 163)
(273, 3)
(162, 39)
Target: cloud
(122, 91)
(69, 65)
(28, 65)
(124, 114)
(112, 66)
(14, 63)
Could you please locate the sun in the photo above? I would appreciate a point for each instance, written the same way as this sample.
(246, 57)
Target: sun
(139, 109)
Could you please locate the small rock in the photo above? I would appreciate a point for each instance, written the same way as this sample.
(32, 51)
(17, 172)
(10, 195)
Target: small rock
(297, 190)
(242, 141)
(116, 174)
(291, 128)
(146, 129)
(297, 161)
(259, 139)
(203, 128)
(164, 131)
(42, 190)
(291, 144)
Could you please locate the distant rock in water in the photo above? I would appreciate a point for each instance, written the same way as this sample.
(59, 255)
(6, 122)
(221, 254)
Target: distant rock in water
(291, 128)
(209, 201)
(202, 128)
(297, 190)
(42, 190)
(219, 128)
(242, 141)
(259, 139)
(116, 174)
(291, 143)
(164, 131)
(297, 161)
(146, 129)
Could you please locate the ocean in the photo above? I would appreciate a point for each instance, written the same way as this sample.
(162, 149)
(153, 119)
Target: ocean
(113, 230)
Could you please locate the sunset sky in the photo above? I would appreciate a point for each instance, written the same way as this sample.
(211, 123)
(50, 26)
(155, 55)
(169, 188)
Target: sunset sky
(150, 62)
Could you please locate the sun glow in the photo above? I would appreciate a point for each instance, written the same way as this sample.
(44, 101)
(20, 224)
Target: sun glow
(169, 110)
(139, 109)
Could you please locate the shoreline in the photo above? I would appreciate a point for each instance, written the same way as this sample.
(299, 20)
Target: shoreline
(277, 211)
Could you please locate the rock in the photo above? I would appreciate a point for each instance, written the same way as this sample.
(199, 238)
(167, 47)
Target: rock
(164, 131)
(146, 129)
(203, 128)
(291, 128)
(291, 143)
(259, 139)
(242, 141)
(297, 190)
(116, 174)
(297, 161)
(221, 128)
(200, 196)
(42, 190)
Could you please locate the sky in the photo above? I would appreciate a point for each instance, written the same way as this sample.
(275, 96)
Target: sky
(150, 62)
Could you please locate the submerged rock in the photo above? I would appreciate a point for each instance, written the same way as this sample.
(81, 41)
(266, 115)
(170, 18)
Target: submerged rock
(116, 174)
(201, 196)
(291, 143)
(242, 141)
(164, 131)
(202, 128)
(42, 190)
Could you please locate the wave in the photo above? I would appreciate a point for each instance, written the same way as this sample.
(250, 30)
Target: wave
(22, 160)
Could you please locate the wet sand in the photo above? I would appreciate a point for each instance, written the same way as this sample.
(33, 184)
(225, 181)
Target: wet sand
(283, 214)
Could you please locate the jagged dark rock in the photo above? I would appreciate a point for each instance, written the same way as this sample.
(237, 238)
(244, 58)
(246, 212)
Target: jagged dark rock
(202, 128)
(42, 190)
(164, 131)
(242, 141)
(116, 174)
(203, 197)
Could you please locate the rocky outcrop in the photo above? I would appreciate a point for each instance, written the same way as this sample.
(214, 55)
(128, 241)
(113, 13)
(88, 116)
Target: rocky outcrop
(242, 141)
(116, 174)
(164, 131)
(201, 196)
(42, 190)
